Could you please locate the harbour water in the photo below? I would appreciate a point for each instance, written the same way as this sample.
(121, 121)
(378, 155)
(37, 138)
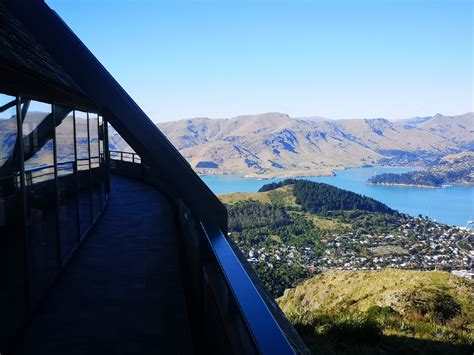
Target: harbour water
(451, 205)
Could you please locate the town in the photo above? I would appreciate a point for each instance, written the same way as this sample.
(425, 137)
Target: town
(419, 244)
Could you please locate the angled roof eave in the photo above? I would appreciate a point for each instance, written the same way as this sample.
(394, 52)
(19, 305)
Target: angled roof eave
(118, 108)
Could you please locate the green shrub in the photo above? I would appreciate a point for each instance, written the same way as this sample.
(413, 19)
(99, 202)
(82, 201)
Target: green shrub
(355, 329)
(436, 305)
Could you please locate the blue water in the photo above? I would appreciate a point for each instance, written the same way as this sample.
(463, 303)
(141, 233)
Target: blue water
(451, 205)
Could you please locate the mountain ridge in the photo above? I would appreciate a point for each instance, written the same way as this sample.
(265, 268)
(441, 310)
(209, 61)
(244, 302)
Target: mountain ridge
(276, 145)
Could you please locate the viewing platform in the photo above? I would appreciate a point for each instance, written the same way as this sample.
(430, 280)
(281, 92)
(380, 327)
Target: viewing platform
(122, 292)
(109, 252)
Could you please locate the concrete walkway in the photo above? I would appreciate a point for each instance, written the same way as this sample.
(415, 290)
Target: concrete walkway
(122, 292)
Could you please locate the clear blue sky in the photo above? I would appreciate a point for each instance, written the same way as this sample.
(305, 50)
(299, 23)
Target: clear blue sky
(337, 59)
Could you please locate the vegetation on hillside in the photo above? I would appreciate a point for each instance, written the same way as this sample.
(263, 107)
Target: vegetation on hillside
(320, 198)
(299, 214)
(295, 229)
(454, 169)
(386, 311)
(252, 214)
(263, 225)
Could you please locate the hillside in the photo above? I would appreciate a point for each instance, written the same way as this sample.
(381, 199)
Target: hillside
(346, 269)
(274, 144)
(296, 228)
(382, 309)
(357, 291)
(451, 169)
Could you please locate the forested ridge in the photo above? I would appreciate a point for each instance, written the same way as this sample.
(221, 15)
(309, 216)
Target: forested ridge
(322, 198)
(255, 225)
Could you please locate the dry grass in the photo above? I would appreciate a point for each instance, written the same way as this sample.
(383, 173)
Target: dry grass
(327, 224)
(337, 290)
(282, 196)
(388, 250)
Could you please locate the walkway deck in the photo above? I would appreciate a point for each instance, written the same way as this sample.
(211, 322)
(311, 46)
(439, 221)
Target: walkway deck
(122, 292)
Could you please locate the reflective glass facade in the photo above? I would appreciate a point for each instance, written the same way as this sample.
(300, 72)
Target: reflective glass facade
(83, 171)
(52, 188)
(12, 222)
(41, 204)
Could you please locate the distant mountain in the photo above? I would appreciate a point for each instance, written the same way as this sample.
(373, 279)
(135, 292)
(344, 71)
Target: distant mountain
(275, 144)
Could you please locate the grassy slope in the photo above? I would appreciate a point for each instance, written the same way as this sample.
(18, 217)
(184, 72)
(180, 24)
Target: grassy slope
(356, 291)
(333, 312)
(281, 196)
(453, 157)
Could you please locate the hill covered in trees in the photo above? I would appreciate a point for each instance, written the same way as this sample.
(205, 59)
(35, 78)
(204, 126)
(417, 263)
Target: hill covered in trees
(322, 198)
(286, 218)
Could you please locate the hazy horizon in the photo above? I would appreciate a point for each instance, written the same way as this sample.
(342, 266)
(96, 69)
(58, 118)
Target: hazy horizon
(336, 59)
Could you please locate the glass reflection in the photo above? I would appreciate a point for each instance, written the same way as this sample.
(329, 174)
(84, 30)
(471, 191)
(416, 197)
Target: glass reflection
(95, 164)
(48, 196)
(83, 171)
(103, 174)
(12, 280)
(67, 185)
(41, 211)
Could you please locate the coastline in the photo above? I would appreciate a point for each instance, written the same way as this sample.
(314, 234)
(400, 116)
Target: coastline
(295, 173)
(269, 176)
(420, 186)
(404, 185)
(427, 201)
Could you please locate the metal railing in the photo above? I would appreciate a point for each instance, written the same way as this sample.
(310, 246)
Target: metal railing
(46, 172)
(262, 326)
(125, 156)
(219, 285)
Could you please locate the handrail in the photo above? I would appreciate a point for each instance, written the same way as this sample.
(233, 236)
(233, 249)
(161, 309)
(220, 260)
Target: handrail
(30, 171)
(41, 167)
(122, 153)
(268, 336)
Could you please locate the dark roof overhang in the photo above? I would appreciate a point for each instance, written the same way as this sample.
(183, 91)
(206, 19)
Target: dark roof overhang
(74, 67)
(27, 69)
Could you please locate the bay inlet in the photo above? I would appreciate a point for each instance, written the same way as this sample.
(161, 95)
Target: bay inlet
(452, 205)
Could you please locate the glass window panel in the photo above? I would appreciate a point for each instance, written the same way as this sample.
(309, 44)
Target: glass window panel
(102, 161)
(12, 272)
(83, 171)
(41, 211)
(67, 183)
(95, 164)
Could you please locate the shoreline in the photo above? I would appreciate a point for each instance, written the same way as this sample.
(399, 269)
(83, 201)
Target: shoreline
(404, 185)
(299, 174)
(356, 181)
(289, 175)
(443, 186)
